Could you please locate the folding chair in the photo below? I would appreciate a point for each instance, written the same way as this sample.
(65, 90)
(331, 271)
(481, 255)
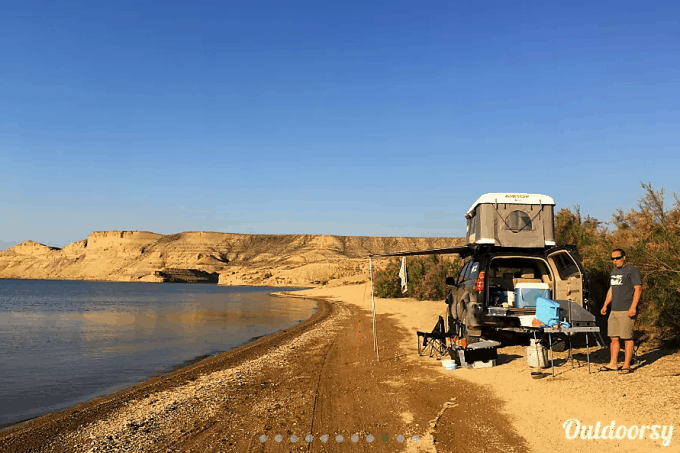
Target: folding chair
(434, 342)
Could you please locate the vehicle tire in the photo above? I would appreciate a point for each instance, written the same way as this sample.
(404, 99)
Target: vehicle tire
(473, 336)
(471, 339)
(559, 343)
(560, 346)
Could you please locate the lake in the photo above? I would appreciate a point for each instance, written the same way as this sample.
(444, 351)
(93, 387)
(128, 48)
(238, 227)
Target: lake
(65, 342)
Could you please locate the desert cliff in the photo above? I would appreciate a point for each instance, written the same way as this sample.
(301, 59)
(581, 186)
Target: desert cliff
(231, 259)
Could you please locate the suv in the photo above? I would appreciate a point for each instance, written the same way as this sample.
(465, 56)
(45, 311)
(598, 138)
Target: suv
(497, 287)
(511, 260)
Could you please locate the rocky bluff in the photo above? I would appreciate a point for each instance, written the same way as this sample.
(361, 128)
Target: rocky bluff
(231, 259)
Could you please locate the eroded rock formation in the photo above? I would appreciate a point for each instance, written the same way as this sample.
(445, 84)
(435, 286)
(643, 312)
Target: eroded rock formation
(238, 259)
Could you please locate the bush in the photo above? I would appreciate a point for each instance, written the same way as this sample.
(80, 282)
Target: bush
(650, 235)
(386, 282)
(426, 277)
(655, 235)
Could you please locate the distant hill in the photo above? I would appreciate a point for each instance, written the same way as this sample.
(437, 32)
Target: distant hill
(231, 259)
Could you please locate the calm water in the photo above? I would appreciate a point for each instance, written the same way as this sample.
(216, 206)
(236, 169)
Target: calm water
(62, 343)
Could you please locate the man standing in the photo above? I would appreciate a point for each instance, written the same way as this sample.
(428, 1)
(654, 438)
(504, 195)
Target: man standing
(625, 287)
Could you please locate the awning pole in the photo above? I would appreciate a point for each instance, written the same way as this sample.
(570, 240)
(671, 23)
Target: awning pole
(375, 332)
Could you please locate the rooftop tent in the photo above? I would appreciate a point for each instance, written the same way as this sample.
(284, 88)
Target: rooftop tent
(512, 220)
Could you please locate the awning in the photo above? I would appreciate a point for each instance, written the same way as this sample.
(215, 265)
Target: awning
(463, 250)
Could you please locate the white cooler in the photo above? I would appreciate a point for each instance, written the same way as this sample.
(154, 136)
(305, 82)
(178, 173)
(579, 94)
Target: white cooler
(527, 293)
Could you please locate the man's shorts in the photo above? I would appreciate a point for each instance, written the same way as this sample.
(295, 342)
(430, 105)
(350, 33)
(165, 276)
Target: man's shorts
(620, 325)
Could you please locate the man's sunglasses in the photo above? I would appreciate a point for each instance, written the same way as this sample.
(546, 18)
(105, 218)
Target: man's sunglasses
(614, 258)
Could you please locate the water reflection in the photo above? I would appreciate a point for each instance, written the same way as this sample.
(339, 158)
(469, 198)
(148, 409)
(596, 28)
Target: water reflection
(87, 340)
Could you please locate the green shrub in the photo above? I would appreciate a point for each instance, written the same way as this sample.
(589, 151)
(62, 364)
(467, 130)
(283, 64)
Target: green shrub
(650, 235)
(426, 277)
(386, 281)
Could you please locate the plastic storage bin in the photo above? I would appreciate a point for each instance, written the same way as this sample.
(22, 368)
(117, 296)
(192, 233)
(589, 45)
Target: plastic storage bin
(479, 355)
(527, 293)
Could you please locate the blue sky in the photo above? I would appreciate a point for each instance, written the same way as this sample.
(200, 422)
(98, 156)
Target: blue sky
(349, 118)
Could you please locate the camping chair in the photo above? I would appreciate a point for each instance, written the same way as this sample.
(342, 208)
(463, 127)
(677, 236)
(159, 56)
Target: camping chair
(435, 341)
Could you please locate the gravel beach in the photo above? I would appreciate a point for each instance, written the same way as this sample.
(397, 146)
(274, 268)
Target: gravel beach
(319, 387)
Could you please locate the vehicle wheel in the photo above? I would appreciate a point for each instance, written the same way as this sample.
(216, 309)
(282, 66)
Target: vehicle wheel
(471, 339)
(559, 343)
(560, 346)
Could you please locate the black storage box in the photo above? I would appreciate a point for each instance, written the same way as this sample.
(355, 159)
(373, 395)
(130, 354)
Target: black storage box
(485, 352)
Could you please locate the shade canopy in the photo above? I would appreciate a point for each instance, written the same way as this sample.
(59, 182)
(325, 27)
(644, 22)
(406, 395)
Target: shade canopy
(462, 250)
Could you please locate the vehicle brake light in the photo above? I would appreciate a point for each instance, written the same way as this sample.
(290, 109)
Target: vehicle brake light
(479, 283)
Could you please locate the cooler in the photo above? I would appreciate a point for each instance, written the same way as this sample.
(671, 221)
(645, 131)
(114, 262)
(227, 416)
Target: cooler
(527, 293)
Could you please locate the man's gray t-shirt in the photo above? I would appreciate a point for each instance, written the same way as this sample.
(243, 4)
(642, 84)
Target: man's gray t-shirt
(623, 282)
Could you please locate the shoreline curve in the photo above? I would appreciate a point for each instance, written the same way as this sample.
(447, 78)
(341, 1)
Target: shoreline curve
(37, 431)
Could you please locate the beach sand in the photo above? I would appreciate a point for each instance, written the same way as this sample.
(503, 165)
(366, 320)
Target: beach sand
(322, 378)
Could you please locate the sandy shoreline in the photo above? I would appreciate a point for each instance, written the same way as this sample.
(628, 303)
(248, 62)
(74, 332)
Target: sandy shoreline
(538, 409)
(321, 377)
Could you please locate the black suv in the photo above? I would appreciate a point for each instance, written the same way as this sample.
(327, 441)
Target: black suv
(497, 288)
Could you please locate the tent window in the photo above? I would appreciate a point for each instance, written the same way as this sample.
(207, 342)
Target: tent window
(518, 221)
(472, 225)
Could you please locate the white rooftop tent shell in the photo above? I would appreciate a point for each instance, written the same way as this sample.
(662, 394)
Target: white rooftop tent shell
(512, 220)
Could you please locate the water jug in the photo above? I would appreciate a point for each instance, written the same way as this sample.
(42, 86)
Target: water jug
(537, 355)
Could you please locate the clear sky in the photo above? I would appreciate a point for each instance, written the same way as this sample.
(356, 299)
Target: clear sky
(385, 118)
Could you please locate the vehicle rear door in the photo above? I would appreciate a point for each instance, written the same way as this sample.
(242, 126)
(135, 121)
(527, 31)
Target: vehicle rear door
(570, 278)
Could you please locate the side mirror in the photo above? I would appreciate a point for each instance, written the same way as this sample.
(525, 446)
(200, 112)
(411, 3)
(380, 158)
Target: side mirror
(451, 281)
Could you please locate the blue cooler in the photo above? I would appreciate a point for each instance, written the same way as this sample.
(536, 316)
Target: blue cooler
(548, 311)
